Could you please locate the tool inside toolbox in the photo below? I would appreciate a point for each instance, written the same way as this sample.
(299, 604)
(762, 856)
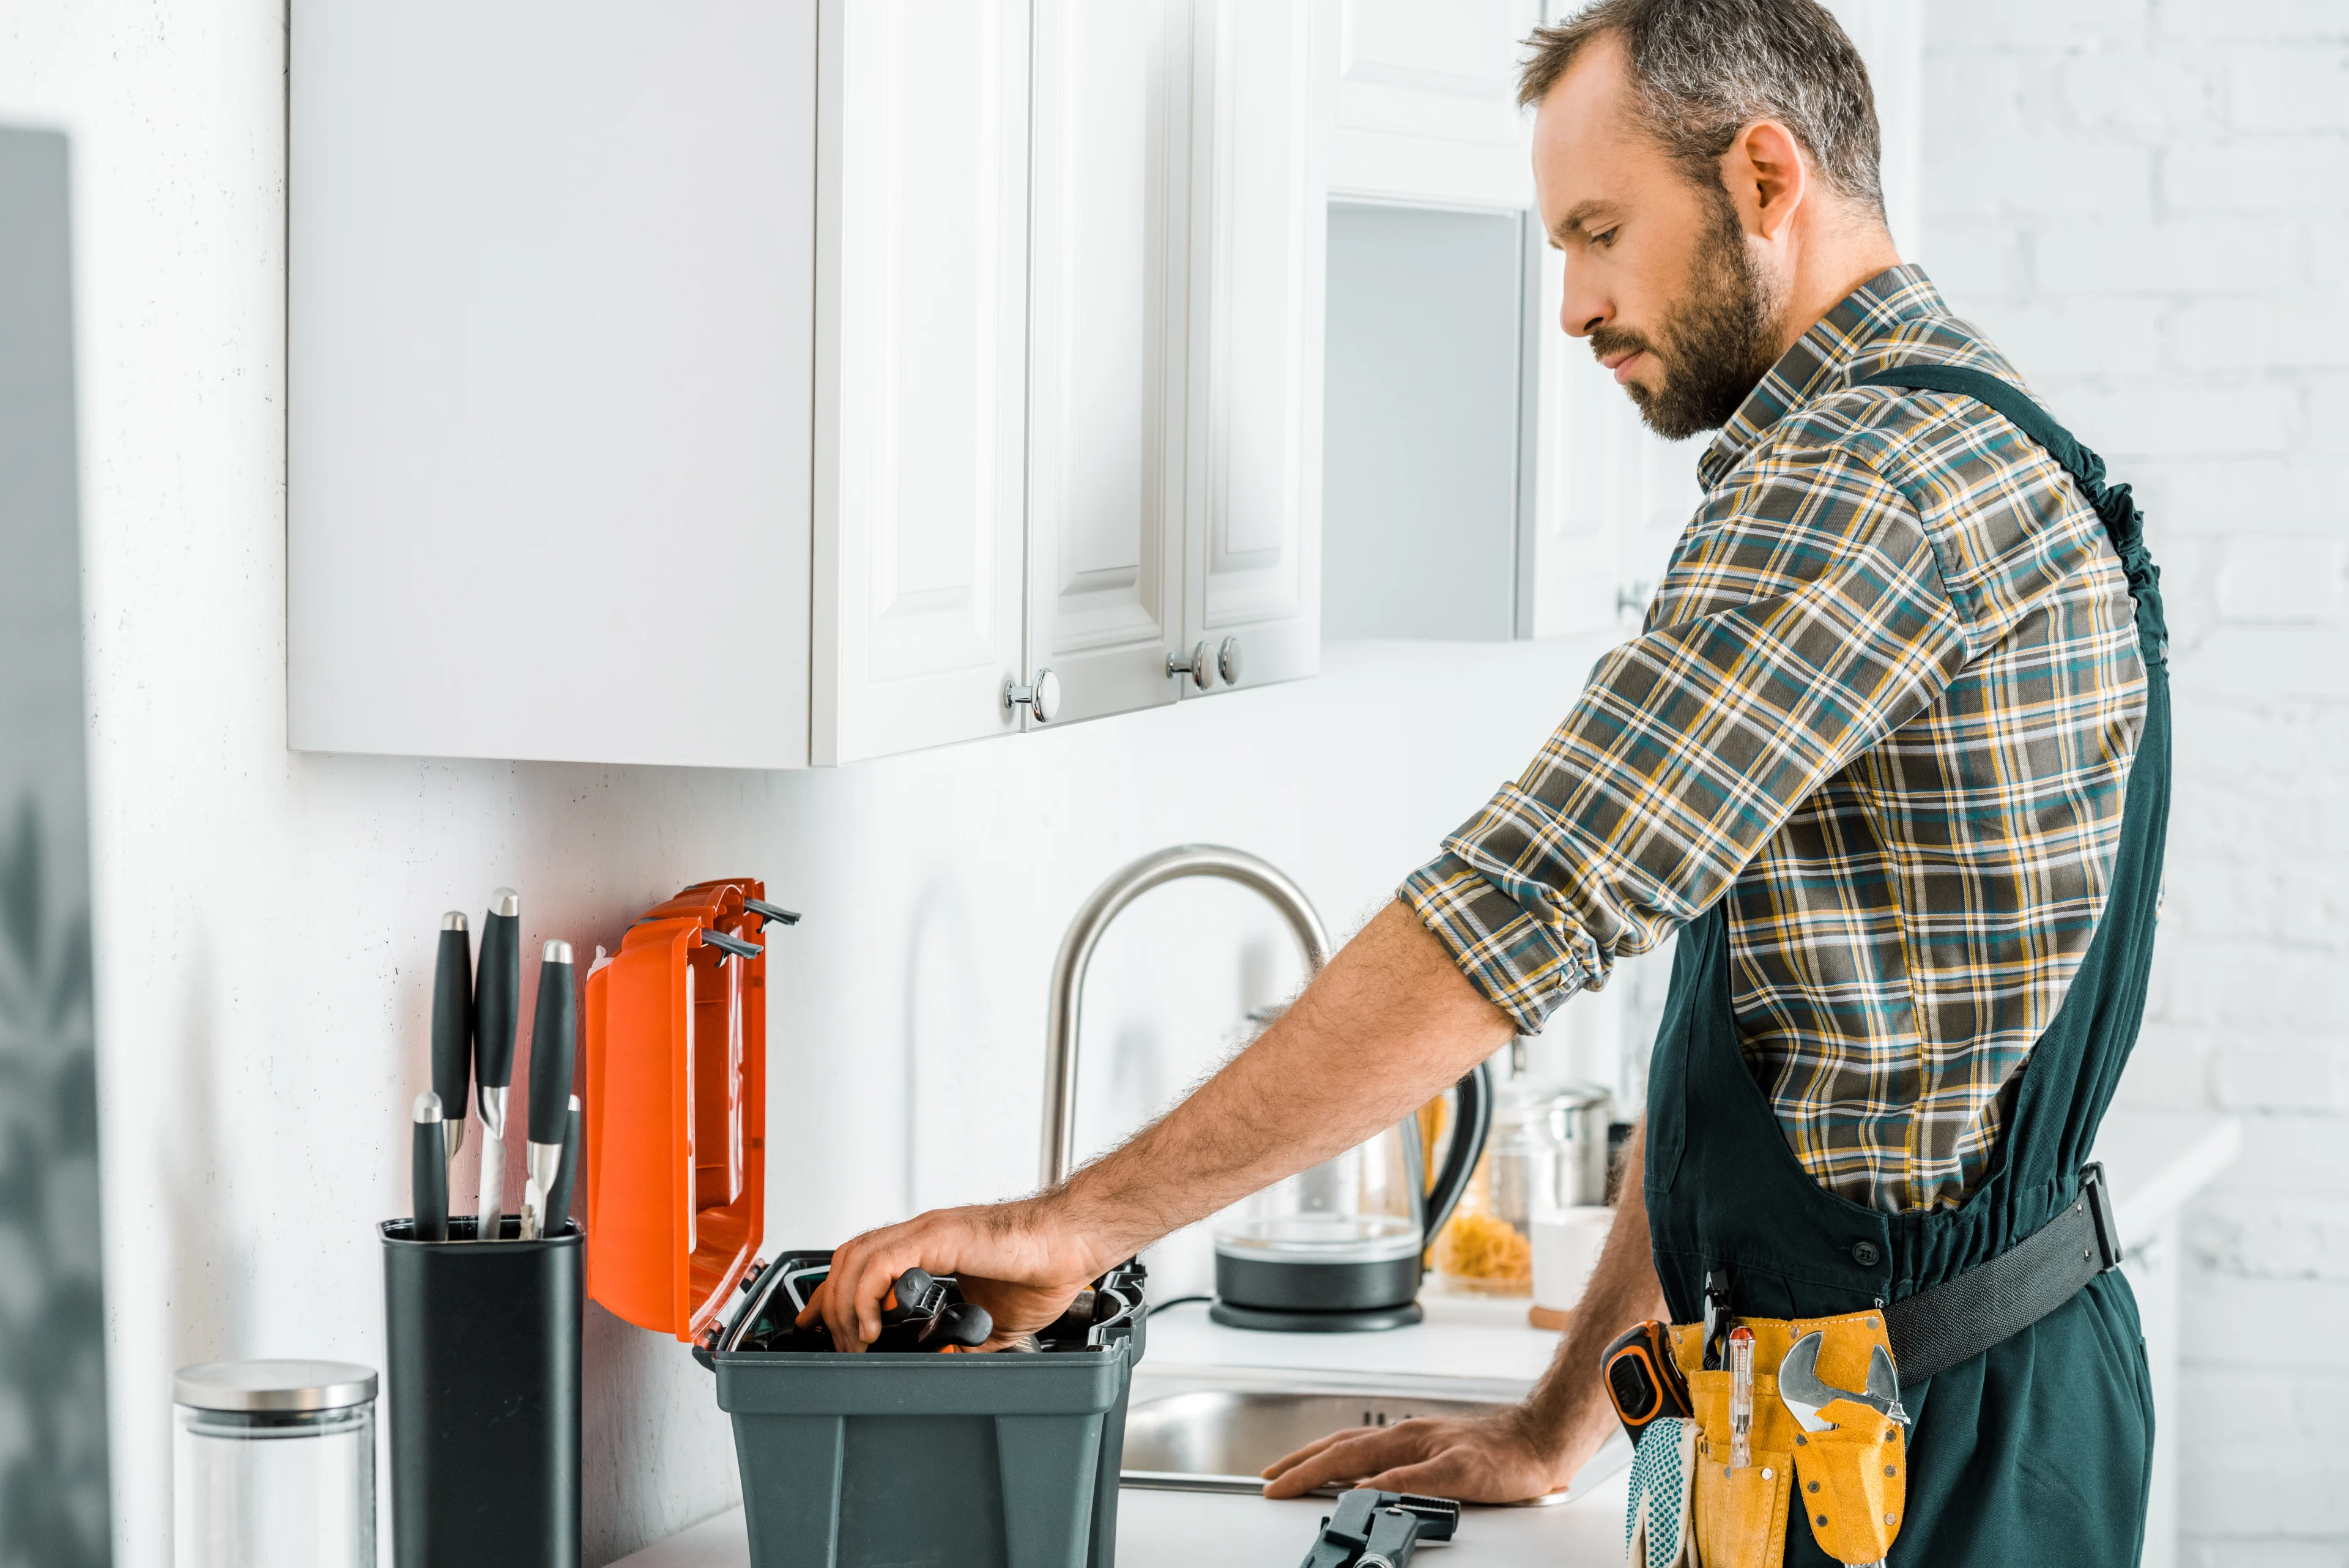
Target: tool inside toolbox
(922, 1313)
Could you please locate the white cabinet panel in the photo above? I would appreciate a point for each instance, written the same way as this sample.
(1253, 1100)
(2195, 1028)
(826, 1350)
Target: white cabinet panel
(1426, 101)
(548, 330)
(1106, 278)
(921, 369)
(1253, 568)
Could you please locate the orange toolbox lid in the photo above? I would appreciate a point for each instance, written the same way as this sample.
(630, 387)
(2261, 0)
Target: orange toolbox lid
(675, 1108)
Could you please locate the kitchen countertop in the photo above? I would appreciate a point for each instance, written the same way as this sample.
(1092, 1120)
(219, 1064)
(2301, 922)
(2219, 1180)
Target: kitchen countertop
(2154, 1160)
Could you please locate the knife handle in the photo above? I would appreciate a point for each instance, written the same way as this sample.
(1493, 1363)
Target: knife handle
(497, 991)
(452, 1017)
(428, 1170)
(558, 1197)
(553, 1029)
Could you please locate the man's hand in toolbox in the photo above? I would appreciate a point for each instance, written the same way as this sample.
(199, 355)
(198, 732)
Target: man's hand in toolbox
(1023, 1274)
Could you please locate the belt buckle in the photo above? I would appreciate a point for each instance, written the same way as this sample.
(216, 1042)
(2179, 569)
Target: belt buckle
(2099, 1200)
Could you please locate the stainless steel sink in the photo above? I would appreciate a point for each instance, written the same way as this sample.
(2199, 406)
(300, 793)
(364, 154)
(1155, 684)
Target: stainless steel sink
(1219, 1439)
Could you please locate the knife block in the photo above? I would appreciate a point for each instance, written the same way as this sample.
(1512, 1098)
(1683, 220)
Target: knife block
(482, 1371)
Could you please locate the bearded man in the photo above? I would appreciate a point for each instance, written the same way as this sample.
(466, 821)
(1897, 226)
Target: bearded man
(1890, 755)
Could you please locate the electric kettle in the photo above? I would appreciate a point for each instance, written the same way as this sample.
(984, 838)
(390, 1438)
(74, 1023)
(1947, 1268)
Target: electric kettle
(1338, 1248)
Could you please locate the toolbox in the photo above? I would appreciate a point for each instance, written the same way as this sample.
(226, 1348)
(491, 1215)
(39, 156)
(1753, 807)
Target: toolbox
(883, 1459)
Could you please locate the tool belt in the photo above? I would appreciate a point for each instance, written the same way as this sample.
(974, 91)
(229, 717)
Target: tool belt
(1839, 1436)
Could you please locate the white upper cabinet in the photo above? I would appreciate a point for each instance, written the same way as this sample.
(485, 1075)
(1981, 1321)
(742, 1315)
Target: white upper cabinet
(766, 382)
(549, 381)
(1109, 220)
(1252, 569)
(1426, 107)
(921, 341)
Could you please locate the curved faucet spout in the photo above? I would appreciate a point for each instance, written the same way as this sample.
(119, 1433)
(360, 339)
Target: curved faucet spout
(1085, 933)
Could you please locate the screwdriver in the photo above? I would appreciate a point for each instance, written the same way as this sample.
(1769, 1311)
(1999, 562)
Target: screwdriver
(1741, 1398)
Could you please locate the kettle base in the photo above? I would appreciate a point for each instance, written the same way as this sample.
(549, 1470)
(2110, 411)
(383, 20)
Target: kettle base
(1342, 1320)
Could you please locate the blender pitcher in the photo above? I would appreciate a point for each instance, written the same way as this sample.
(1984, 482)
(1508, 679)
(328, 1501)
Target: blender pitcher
(1339, 1247)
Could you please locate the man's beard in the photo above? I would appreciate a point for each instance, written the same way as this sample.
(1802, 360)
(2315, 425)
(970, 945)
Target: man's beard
(1718, 342)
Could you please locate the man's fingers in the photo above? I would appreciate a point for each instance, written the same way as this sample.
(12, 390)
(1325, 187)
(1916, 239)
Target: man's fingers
(1345, 1456)
(1290, 1461)
(1443, 1475)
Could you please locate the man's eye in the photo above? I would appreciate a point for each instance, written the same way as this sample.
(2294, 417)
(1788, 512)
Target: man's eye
(1604, 237)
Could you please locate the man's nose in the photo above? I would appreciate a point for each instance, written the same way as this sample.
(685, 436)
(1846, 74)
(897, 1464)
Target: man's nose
(1582, 311)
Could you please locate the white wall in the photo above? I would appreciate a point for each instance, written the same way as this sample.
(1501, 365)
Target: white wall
(264, 919)
(2147, 203)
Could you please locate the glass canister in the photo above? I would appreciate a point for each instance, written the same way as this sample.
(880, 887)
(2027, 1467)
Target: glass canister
(272, 1465)
(1548, 1151)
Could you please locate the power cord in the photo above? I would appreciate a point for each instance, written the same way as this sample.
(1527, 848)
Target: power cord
(1155, 1307)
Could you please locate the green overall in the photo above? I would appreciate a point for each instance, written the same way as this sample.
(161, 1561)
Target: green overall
(2038, 1451)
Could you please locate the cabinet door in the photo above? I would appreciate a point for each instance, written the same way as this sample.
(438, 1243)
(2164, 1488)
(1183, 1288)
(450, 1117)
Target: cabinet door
(549, 319)
(1427, 102)
(1252, 568)
(921, 350)
(1106, 275)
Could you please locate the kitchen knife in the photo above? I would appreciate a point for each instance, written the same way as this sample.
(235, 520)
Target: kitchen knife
(453, 1027)
(428, 1170)
(497, 1004)
(552, 1030)
(558, 1197)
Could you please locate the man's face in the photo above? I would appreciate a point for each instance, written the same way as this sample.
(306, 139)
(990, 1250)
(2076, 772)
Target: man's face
(1659, 274)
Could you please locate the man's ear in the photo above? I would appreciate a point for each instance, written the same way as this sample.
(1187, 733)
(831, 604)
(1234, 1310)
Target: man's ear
(1766, 177)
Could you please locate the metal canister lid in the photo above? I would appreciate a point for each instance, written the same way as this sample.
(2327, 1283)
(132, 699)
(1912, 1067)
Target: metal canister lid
(273, 1386)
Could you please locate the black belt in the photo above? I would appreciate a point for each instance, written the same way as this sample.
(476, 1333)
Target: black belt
(1959, 1318)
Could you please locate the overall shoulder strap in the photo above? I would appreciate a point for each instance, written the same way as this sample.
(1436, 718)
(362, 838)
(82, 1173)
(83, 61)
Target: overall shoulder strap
(2122, 522)
(2008, 398)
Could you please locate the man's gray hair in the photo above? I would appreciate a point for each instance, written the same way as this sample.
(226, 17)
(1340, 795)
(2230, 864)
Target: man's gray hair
(1703, 70)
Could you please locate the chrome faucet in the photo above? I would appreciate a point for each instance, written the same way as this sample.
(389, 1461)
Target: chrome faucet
(1085, 933)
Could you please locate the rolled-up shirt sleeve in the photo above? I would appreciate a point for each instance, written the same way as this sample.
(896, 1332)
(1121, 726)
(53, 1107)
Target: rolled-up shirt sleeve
(1802, 620)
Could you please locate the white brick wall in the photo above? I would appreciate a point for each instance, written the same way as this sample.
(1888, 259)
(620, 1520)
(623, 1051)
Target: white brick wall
(2147, 203)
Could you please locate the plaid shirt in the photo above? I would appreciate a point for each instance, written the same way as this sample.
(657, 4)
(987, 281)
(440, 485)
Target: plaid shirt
(1885, 703)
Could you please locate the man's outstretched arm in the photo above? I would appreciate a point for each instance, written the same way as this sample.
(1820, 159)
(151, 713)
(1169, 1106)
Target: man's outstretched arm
(1523, 1452)
(1387, 1025)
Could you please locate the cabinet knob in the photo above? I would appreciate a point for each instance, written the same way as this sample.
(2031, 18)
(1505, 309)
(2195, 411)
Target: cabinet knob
(1197, 667)
(1043, 698)
(1228, 661)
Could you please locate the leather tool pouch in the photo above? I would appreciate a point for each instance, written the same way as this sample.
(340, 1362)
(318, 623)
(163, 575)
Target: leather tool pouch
(1853, 1478)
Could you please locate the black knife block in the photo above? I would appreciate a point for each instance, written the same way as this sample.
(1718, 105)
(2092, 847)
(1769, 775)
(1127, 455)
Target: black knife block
(483, 1396)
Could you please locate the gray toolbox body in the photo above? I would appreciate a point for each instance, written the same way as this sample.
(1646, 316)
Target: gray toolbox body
(889, 1460)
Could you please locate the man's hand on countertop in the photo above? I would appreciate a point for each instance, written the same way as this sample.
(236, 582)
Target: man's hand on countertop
(1489, 1458)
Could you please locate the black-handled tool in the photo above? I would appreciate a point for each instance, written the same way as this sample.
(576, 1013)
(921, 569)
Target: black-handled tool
(1383, 1527)
(497, 1008)
(961, 1325)
(453, 1027)
(554, 1030)
(428, 1170)
(558, 1197)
